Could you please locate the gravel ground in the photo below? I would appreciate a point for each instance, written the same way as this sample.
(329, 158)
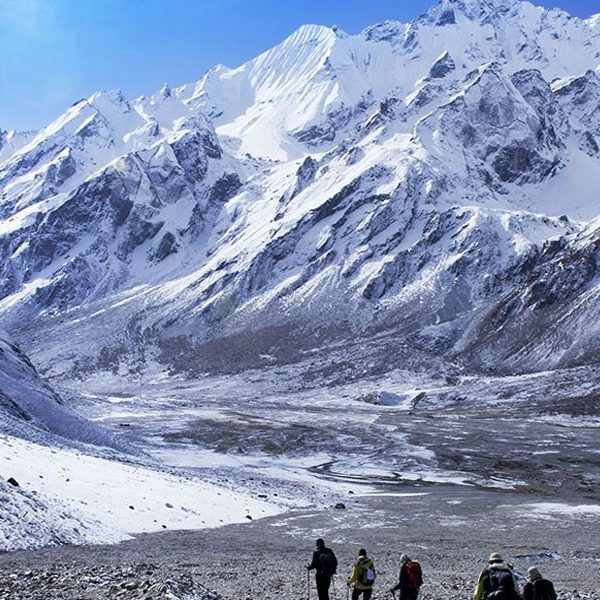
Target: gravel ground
(450, 530)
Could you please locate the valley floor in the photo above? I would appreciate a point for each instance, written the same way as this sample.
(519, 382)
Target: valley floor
(451, 531)
(447, 470)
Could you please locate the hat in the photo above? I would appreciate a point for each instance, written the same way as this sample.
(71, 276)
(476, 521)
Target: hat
(495, 557)
(534, 573)
(362, 552)
(404, 558)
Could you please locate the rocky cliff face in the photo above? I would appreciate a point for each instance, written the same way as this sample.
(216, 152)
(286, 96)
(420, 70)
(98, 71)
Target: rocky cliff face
(436, 179)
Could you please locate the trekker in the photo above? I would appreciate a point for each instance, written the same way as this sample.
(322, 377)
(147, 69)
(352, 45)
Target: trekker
(497, 581)
(410, 579)
(363, 576)
(325, 564)
(536, 587)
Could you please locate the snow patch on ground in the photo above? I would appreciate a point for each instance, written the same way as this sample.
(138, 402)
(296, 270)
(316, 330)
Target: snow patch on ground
(68, 496)
(551, 510)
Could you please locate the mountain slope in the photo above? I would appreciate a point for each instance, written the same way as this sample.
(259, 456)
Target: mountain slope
(29, 407)
(54, 462)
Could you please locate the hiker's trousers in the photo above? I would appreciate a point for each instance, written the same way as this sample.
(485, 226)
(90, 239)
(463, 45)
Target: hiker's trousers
(323, 583)
(366, 594)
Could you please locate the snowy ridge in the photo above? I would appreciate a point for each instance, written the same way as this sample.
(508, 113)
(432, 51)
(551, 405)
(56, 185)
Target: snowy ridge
(327, 75)
(11, 141)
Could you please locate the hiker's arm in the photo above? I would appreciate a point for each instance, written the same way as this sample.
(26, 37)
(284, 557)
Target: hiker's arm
(516, 585)
(403, 578)
(354, 576)
(315, 562)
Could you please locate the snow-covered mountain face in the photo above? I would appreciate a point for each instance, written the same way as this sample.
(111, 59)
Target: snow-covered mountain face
(436, 179)
(320, 79)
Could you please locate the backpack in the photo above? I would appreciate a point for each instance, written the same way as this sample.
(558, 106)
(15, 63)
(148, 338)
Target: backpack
(327, 562)
(414, 574)
(368, 575)
(501, 584)
(543, 590)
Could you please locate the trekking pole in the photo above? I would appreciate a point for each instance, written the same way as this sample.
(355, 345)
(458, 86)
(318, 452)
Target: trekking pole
(308, 584)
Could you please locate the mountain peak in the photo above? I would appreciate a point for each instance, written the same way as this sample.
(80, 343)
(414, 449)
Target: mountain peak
(165, 91)
(480, 5)
(444, 12)
(108, 100)
(113, 95)
(307, 34)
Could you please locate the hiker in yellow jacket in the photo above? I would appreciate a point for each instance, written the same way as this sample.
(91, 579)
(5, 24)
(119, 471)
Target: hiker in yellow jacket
(363, 576)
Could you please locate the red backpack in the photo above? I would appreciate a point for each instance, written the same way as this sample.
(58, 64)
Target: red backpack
(414, 574)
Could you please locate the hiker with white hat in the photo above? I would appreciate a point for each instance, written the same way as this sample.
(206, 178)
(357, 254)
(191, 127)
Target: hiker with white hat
(497, 581)
(536, 587)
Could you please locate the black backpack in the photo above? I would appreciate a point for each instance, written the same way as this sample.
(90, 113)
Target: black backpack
(543, 590)
(501, 585)
(327, 562)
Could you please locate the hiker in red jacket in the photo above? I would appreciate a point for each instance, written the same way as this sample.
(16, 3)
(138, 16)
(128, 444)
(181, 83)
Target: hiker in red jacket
(410, 579)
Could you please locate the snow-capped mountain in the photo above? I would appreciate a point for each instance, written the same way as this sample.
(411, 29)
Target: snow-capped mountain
(320, 79)
(436, 179)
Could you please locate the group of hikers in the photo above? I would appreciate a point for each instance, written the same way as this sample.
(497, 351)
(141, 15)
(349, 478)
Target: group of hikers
(498, 581)
(362, 578)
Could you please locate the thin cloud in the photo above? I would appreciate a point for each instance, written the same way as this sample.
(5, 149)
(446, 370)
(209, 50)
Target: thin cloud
(30, 16)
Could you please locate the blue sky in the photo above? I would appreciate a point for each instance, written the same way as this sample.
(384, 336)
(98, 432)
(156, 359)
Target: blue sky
(54, 52)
